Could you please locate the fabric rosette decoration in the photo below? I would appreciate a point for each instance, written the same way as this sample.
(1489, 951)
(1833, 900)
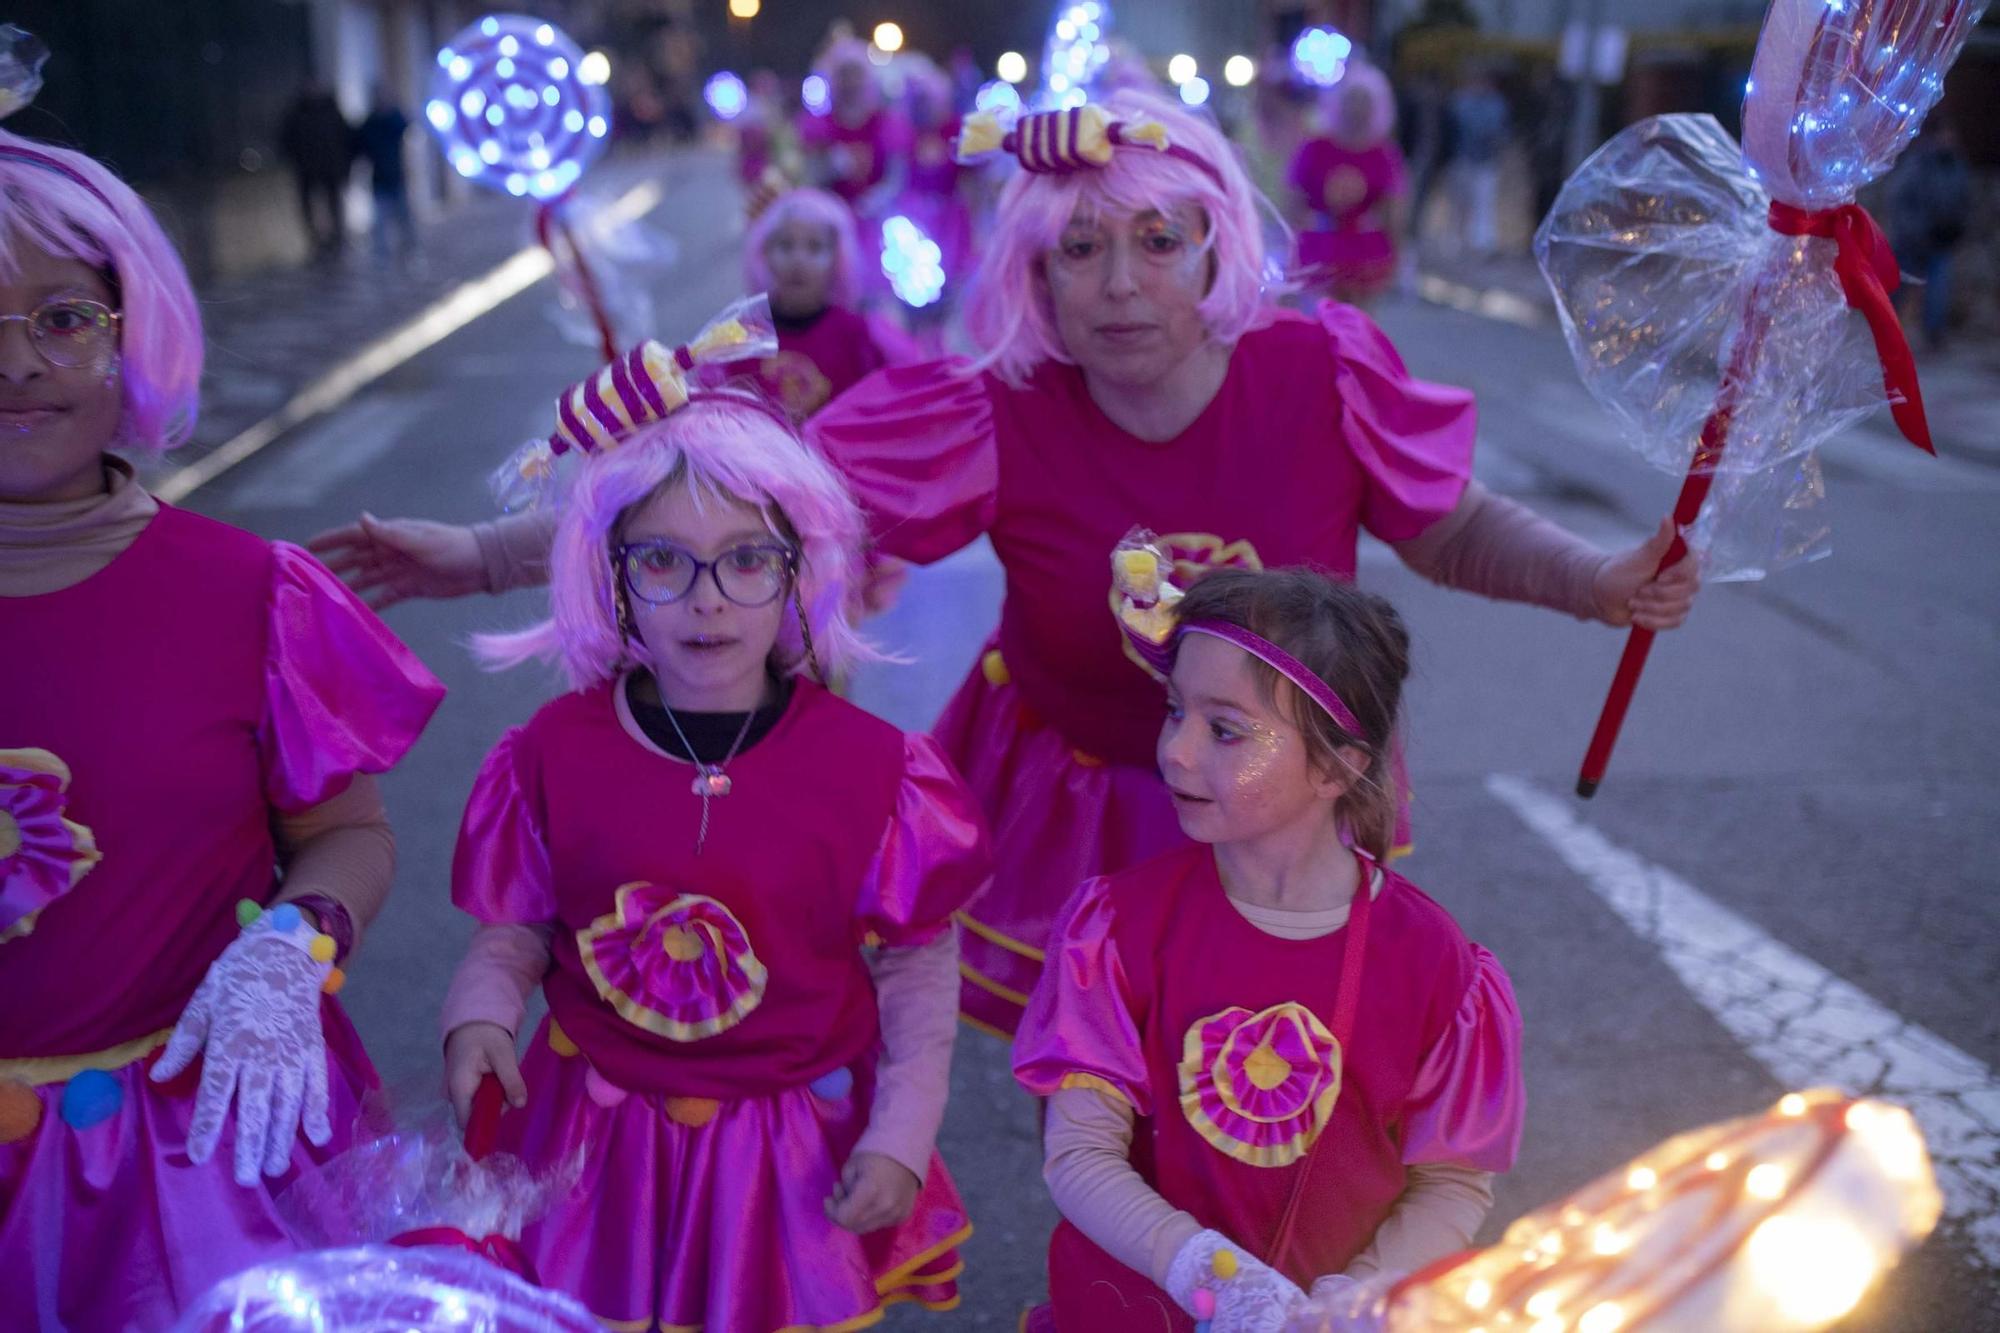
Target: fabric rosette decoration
(1260, 1087)
(679, 965)
(42, 854)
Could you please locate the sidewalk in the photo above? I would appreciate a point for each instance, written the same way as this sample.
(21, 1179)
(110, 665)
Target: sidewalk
(1961, 383)
(272, 333)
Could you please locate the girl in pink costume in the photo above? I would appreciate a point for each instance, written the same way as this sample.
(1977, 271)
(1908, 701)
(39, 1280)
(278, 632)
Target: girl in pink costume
(1271, 1062)
(1135, 372)
(735, 890)
(1349, 186)
(183, 706)
(802, 250)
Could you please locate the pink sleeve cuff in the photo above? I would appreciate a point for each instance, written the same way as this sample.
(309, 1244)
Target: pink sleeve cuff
(500, 970)
(933, 857)
(1468, 1104)
(500, 870)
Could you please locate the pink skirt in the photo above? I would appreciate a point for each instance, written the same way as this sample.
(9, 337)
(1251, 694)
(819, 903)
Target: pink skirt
(1058, 817)
(720, 1226)
(113, 1228)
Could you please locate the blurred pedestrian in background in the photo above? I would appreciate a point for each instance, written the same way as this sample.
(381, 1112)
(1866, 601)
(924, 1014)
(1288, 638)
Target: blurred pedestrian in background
(1930, 193)
(1348, 187)
(379, 140)
(1480, 126)
(319, 143)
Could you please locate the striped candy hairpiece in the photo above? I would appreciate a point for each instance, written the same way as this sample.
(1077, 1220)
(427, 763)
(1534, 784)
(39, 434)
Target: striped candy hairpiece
(1074, 139)
(1285, 665)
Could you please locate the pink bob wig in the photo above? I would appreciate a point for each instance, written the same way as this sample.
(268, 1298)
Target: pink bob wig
(74, 208)
(817, 208)
(1008, 310)
(1359, 83)
(722, 451)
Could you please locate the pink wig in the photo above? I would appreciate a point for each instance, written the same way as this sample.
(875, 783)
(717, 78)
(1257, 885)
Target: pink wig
(1361, 81)
(1008, 311)
(818, 208)
(722, 451)
(95, 218)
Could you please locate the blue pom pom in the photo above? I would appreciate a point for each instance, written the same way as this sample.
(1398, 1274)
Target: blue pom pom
(91, 1098)
(834, 1084)
(285, 918)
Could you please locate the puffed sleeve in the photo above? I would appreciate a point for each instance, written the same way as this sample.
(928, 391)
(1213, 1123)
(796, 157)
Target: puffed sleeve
(1413, 439)
(342, 694)
(916, 445)
(1468, 1103)
(500, 869)
(1081, 1028)
(933, 856)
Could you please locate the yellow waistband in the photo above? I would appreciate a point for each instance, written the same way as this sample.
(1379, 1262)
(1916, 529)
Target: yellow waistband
(39, 1070)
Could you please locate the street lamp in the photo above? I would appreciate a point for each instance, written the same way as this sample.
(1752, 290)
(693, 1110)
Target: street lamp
(1012, 66)
(745, 9)
(888, 37)
(1181, 68)
(1238, 71)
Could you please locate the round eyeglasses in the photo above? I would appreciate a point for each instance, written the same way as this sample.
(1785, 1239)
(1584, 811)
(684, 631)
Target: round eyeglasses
(71, 332)
(754, 574)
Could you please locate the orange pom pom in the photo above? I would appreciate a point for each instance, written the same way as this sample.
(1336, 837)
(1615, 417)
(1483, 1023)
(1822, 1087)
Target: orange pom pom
(335, 979)
(694, 1112)
(559, 1041)
(20, 1111)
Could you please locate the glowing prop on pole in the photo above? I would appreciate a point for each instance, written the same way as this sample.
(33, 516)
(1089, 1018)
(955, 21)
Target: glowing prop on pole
(1705, 290)
(1078, 48)
(912, 262)
(1778, 1223)
(517, 106)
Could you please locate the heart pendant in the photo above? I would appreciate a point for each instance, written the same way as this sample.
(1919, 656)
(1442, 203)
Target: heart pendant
(711, 784)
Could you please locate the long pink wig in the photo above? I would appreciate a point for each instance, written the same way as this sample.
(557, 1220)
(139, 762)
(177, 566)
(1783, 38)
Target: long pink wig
(818, 208)
(722, 451)
(1008, 311)
(114, 232)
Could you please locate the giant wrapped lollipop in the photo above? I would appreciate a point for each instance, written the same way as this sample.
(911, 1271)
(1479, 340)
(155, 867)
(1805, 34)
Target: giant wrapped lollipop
(1708, 292)
(1778, 1223)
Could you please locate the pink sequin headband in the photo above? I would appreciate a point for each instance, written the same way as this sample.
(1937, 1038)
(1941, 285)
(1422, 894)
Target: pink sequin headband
(1284, 664)
(1075, 139)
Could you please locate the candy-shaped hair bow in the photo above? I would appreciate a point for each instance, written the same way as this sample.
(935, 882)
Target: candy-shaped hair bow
(646, 384)
(1072, 139)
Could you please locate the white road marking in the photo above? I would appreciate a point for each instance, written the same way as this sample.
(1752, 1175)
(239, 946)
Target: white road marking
(1805, 1025)
(330, 451)
(444, 317)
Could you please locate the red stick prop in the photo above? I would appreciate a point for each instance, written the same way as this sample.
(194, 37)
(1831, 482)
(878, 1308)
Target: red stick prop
(550, 226)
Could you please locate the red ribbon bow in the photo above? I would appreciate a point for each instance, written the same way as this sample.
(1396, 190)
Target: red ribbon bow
(1868, 274)
(498, 1249)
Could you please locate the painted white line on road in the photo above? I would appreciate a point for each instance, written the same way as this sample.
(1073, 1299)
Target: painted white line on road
(443, 318)
(1805, 1025)
(1490, 302)
(330, 451)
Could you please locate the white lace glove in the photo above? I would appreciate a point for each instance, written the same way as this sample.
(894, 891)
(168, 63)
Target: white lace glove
(1341, 1304)
(1220, 1284)
(255, 1021)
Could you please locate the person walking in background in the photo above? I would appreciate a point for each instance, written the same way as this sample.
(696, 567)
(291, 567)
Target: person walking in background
(1930, 193)
(1479, 123)
(319, 143)
(1423, 121)
(380, 141)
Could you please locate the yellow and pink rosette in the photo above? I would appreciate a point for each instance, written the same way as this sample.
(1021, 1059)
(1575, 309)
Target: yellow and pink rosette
(678, 965)
(1260, 1086)
(42, 853)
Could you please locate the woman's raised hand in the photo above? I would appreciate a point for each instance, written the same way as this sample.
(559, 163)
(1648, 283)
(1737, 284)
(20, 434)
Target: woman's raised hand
(391, 560)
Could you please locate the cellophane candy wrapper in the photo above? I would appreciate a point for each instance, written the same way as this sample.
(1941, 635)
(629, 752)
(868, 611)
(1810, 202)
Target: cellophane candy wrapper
(534, 476)
(22, 55)
(417, 1175)
(382, 1289)
(1341, 1306)
(1142, 577)
(628, 259)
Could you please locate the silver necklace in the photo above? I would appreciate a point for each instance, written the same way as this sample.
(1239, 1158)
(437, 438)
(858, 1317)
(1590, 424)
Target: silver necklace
(710, 780)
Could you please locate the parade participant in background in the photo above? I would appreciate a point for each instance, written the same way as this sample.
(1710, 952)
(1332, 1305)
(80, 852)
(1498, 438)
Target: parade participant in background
(858, 147)
(1349, 189)
(931, 197)
(190, 843)
(1269, 1059)
(750, 979)
(1135, 372)
(802, 250)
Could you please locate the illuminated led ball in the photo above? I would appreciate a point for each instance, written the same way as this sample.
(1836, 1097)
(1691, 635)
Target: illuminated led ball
(816, 95)
(1195, 91)
(1319, 56)
(999, 99)
(725, 94)
(517, 106)
(912, 262)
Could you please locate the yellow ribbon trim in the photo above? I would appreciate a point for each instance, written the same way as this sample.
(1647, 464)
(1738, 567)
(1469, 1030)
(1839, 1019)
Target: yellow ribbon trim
(39, 1071)
(992, 936)
(992, 987)
(1078, 1079)
(980, 1026)
(890, 1287)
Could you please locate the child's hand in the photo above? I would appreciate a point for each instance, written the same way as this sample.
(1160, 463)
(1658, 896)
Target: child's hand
(471, 1052)
(874, 1192)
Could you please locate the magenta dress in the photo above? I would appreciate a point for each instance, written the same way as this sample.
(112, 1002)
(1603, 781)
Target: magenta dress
(202, 683)
(1317, 432)
(1221, 1039)
(817, 363)
(713, 1034)
(1350, 247)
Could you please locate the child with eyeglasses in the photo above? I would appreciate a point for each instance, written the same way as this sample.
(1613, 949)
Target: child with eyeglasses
(734, 888)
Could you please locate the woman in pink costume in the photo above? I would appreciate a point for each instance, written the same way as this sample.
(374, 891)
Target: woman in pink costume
(1136, 372)
(1271, 1063)
(183, 706)
(803, 251)
(1349, 186)
(931, 197)
(735, 890)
